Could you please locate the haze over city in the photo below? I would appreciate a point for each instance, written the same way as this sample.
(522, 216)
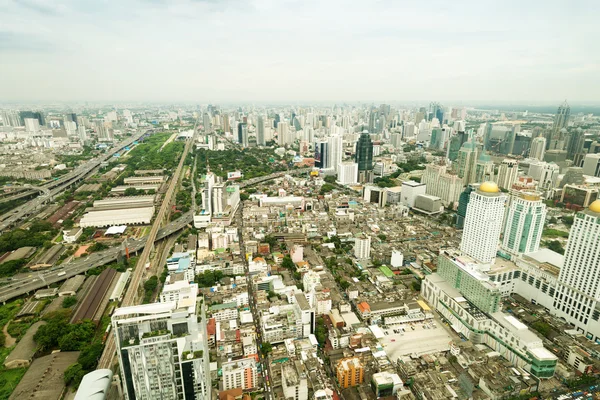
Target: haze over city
(278, 51)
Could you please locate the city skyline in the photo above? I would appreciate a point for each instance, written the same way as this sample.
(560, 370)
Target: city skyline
(228, 51)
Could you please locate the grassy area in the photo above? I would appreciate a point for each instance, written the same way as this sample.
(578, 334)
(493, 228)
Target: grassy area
(9, 378)
(555, 233)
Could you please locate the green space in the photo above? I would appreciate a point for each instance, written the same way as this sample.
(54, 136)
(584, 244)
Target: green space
(555, 233)
(252, 162)
(386, 271)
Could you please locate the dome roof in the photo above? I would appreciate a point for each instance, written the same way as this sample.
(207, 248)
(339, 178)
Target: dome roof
(595, 206)
(488, 187)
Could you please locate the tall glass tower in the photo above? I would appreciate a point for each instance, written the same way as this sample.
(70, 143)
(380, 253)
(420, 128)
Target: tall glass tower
(364, 157)
(524, 223)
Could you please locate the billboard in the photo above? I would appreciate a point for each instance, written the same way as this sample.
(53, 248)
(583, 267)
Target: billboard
(234, 175)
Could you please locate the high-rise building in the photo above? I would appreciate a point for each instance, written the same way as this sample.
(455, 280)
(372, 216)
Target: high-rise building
(507, 173)
(578, 296)
(463, 202)
(335, 145)
(207, 123)
(484, 170)
(32, 114)
(321, 154)
(545, 173)
(364, 157)
(591, 165)
(349, 372)
(347, 173)
(483, 223)
(439, 182)
(436, 110)
(538, 148)
(226, 126)
(260, 131)
(410, 191)
(243, 134)
(575, 143)
(32, 125)
(10, 118)
(81, 133)
(162, 350)
(467, 162)
(283, 133)
(524, 223)
(561, 119)
(362, 246)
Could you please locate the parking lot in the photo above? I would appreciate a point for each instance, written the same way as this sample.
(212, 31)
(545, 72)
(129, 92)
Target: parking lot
(419, 338)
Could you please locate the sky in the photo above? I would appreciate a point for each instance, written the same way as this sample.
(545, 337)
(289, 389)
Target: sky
(299, 50)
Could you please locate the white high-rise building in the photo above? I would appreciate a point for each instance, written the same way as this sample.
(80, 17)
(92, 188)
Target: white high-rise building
(578, 296)
(483, 223)
(591, 165)
(347, 173)
(283, 133)
(508, 173)
(362, 246)
(162, 350)
(32, 125)
(538, 148)
(524, 223)
(335, 151)
(240, 373)
(545, 173)
(82, 134)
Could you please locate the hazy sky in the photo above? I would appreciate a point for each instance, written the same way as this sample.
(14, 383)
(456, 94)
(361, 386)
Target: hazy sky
(281, 50)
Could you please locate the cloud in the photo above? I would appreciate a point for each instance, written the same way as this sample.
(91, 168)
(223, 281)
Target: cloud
(38, 6)
(22, 43)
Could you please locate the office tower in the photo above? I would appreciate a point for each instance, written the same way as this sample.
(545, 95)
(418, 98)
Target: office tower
(240, 373)
(364, 157)
(335, 146)
(207, 192)
(322, 155)
(408, 130)
(243, 134)
(260, 131)
(362, 246)
(162, 350)
(467, 162)
(591, 165)
(32, 125)
(524, 223)
(561, 119)
(507, 173)
(396, 140)
(82, 134)
(545, 173)
(32, 114)
(419, 116)
(436, 110)
(276, 121)
(310, 120)
(207, 123)
(483, 223)
(538, 148)
(349, 372)
(454, 145)
(10, 118)
(71, 117)
(575, 142)
(439, 182)
(102, 131)
(463, 202)
(578, 295)
(347, 173)
(283, 133)
(226, 126)
(484, 170)
(373, 120)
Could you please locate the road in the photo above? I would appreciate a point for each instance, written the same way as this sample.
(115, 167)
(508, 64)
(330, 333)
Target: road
(133, 290)
(26, 283)
(57, 187)
(25, 191)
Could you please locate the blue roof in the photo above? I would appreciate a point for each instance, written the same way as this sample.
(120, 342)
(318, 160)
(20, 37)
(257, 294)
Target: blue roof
(184, 263)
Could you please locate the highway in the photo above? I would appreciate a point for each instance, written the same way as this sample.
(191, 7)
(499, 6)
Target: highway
(57, 187)
(26, 283)
(132, 293)
(24, 191)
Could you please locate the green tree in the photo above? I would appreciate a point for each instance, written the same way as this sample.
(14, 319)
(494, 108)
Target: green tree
(69, 301)
(68, 223)
(131, 191)
(330, 179)
(287, 263)
(555, 245)
(321, 331)
(266, 348)
(326, 188)
(89, 356)
(74, 374)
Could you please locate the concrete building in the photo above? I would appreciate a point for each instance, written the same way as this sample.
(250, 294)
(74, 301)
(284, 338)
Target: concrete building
(428, 204)
(294, 381)
(439, 182)
(410, 191)
(362, 247)
(349, 372)
(591, 165)
(507, 173)
(347, 173)
(129, 216)
(467, 162)
(385, 384)
(240, 373)
(523, 223)
(578, 294)
(483, 223)
(538, 148)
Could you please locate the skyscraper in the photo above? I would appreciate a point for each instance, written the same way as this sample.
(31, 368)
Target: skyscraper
(436, 110)
(507, 173)
(364, 157)
(463, 203)
(207, 123)
(578, 295)
(243, 134)
(467, 162)
(561, 119)
(260, 131)
(283, 133)
(335, 151)
(524, 223)
(322, 155)
(484, 170)
(226, 126)
(575, 142)
(538, 148)
(483, 223)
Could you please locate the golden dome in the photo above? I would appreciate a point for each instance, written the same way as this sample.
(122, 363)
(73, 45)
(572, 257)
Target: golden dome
(595, 206)
(488, 187)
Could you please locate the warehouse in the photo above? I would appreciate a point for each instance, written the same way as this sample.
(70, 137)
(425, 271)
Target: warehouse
(128, 216)
(122, 189)
(123, 202)
(20, 253)
(149, 171)
(71, 286)
(48, 259)
(144, 180)
(22, 354)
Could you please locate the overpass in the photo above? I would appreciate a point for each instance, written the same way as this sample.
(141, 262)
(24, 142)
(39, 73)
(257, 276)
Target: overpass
(24, 191)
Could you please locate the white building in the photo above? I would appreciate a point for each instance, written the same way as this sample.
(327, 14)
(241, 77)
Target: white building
(362, 247)
(335, 151)
(578, 297)
(72, 235)
(310, 281)
(294, 381)
(524, 223)
(538, 148)
(410, 191)
(347, 173)
(283, 133)
(440, 183)
(545, 173)
(507, 173)
(483, 223)
(239, 374)
(591, 165)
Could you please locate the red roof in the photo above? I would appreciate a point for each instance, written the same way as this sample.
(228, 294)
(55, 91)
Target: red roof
(211, 327)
